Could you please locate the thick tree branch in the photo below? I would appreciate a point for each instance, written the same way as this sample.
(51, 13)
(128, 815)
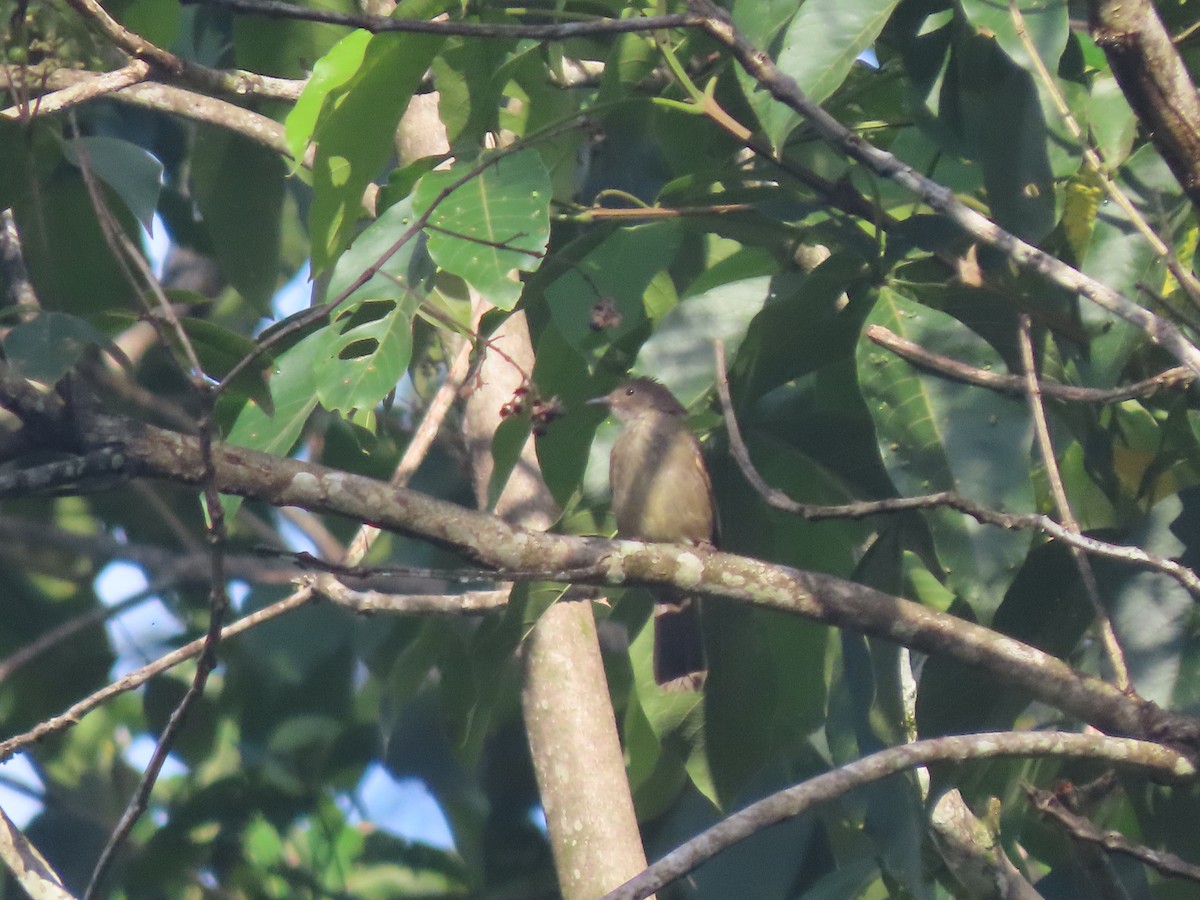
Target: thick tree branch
(574, 741)
(27, 865)
(1154, 80)
(804, 796)
(490, 541)
(237, 83)
(81, 91)
(174, 100)
(971, 848)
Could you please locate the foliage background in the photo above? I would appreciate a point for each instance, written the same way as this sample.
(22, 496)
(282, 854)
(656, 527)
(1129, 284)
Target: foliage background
(647, 180)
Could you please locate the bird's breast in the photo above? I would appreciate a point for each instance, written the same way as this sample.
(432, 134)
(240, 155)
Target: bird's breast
(660, 489)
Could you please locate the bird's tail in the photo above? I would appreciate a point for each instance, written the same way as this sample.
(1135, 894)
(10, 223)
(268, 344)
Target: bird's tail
(679, 662)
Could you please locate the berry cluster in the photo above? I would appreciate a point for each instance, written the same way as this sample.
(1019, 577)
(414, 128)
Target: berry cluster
(542, 410)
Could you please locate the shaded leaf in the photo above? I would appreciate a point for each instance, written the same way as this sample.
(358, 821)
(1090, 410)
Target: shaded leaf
(935, 434)
(48, 347)
(134, 174)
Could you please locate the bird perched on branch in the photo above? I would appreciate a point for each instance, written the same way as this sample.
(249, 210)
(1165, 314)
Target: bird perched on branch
(661, 492)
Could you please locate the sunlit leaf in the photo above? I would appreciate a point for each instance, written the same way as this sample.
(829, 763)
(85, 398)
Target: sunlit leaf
(492, 223)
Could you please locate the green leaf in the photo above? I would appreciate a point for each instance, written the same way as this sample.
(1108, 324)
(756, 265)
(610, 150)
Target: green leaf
(129, 170)
(355, 134)
(1112, 124)
(470, 75)
(274, 427)
(218, 348)
(1045, 607)
(156, 22)
(676, 717)
(1152, 614)
(680, 351)
(822, 312)
(497, 221)
(238, 186)
(286, 46)
(365, 350)
(399, 270)
(765, 691)
(57, 222)
(826, 37)
(847, 883)
(331, 73)
(47, 347)
(655, 777)
(818, 50)
(761, 21)
(619, 270)
(934, 434)
(1005, 129)
(1048, 29)
(1045, 23)
(1119, 257)
(507, 443)
(365, 358)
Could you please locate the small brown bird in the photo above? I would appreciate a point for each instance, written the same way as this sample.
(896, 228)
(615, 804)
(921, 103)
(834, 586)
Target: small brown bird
(661, 492)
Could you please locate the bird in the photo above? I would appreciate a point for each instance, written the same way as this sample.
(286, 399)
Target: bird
(661, 492)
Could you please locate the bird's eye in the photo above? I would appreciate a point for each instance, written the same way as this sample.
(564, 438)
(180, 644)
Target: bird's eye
(629, 392)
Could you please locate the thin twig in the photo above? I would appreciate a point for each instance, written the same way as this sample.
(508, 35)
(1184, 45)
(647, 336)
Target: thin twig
(48, 640)
(1108, 637)
(466, 603)
(1186, 279)
(133, 264)
(914, 353)
(1012, 521)
(274, 9)
(137, 678)
(1082, 829)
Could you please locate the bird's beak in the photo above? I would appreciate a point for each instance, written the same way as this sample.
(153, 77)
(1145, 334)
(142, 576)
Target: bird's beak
(599, 401)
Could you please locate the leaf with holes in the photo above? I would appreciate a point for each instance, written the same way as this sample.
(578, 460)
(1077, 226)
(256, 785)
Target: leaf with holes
(366, 351)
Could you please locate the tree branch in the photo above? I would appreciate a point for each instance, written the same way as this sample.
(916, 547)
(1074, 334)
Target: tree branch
(492, 542)
(939, 198)
(1154, 80)
(81, 91)
(982, 514)
(1082, 829)
(1012, 384)
(804, 796)
(274, 9)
